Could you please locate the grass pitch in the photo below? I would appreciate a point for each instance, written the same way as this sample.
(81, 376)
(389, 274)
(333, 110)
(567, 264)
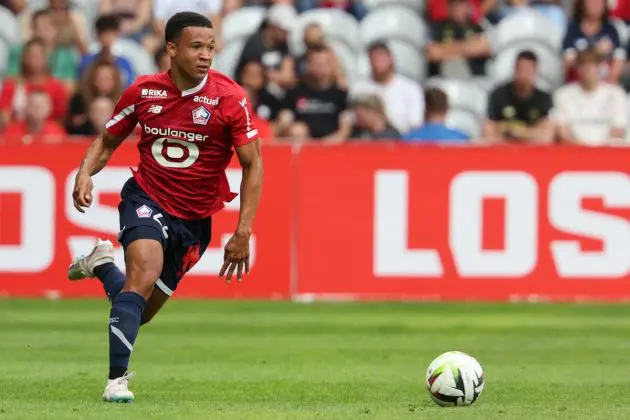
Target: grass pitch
(244, 360)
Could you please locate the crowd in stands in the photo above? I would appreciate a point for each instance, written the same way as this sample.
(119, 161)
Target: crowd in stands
(333, 71)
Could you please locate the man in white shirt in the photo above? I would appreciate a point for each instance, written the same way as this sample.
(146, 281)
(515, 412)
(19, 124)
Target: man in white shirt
(591, 112)
(403, 97)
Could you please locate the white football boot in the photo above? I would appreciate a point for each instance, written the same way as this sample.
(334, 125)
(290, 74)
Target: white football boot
(117, 390)
(83, 266)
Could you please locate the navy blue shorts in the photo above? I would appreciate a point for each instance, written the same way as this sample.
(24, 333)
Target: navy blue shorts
(183, 241)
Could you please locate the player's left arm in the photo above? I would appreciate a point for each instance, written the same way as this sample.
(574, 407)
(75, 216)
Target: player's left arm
(245, 140)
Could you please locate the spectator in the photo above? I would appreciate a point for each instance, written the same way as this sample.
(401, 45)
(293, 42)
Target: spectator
(108, 31)
(551, 9)
(438, 9)
(34, 75)
(370, 119)
(402, 96)
(14, 6)
(518, 111)
(591, 28)
(622, 10)
(317, 101)
(269, 46)
(265, 105)
(36, 126)
(70, 24)
(62, 60)
(134, 15)
(102, 79)
(435, 128)
(353, 7)
(99, 112)
(314, 36)
(458, 47)
(590, 111)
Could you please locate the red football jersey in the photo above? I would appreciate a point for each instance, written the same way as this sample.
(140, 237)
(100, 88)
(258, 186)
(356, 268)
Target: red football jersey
(187, 139)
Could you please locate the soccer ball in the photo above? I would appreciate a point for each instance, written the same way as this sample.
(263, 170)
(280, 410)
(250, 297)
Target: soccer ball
(454, 378)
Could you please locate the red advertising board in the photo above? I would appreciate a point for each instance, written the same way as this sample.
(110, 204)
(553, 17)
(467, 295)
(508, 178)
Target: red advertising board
(464, 223)
(40, 231)
(358, 221)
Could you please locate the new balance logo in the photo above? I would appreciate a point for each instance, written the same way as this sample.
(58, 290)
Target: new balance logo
(206, 100)
(113, 320)
(154, 93)
(155, 109)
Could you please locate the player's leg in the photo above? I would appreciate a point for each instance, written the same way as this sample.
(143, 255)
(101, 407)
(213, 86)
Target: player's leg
(99, 263)
(143, 261)
(156, 301)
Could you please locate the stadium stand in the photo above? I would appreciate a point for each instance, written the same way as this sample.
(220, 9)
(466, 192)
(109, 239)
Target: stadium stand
(403, 24)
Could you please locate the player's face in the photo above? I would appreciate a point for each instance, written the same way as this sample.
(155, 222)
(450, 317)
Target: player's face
(193, 52)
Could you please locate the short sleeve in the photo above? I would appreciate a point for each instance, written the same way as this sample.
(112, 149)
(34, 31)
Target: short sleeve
(124, 118)
(559, 112)
(6, 97)
(240, 118)
(494, 107)
(570, 38)
(546, 104)
(436, 31)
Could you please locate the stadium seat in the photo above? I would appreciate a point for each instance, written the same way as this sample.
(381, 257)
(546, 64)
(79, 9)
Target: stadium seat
(531, 27)
(9, 27)
(227, 60)
(241, 23)
(336, 24)
(416, 5)
(464, 121)
(622, 30)
(4, 56)
(550, 67)
(347, 57)
(393, 23)
(408, 61)
(139, 58)
(462, 95)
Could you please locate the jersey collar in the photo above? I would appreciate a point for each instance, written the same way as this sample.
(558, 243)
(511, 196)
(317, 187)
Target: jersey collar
(195, 89)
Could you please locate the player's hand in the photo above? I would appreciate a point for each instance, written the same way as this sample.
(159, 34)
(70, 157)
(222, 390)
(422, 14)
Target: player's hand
(236, 257)
(82, 193)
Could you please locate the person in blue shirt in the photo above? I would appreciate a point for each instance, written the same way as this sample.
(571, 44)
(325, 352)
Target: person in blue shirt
(108, 31)
(434, 129)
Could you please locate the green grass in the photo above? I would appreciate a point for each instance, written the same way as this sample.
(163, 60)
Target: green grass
(244, 360)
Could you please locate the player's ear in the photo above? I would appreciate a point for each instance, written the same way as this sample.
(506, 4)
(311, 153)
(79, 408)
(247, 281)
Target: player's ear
(171, 49)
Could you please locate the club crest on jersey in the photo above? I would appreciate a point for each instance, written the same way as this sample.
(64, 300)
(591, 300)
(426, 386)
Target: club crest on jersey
(144, 211)
(201, 116)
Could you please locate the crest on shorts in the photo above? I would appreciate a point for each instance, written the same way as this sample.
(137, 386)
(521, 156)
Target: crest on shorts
(201, 116)
(144, 211)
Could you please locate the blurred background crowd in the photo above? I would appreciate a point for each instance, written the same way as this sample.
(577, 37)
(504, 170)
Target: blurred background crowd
(448, 71)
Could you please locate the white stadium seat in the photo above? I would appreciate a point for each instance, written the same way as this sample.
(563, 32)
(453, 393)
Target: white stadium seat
(393, 23)
(336, 24)
(464, 121)
(416, 5)
(227, 60)
(409, 62)
(347, 57)
(550, 67)
(9, 27)
(531, 27)
(241, 23)
(462, 95)
(139, 58)
(4, 57)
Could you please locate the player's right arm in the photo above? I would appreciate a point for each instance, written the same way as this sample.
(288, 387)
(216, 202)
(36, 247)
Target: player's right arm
(121, 124)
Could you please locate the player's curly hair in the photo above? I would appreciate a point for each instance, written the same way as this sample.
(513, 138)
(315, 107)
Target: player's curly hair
(181, 20)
